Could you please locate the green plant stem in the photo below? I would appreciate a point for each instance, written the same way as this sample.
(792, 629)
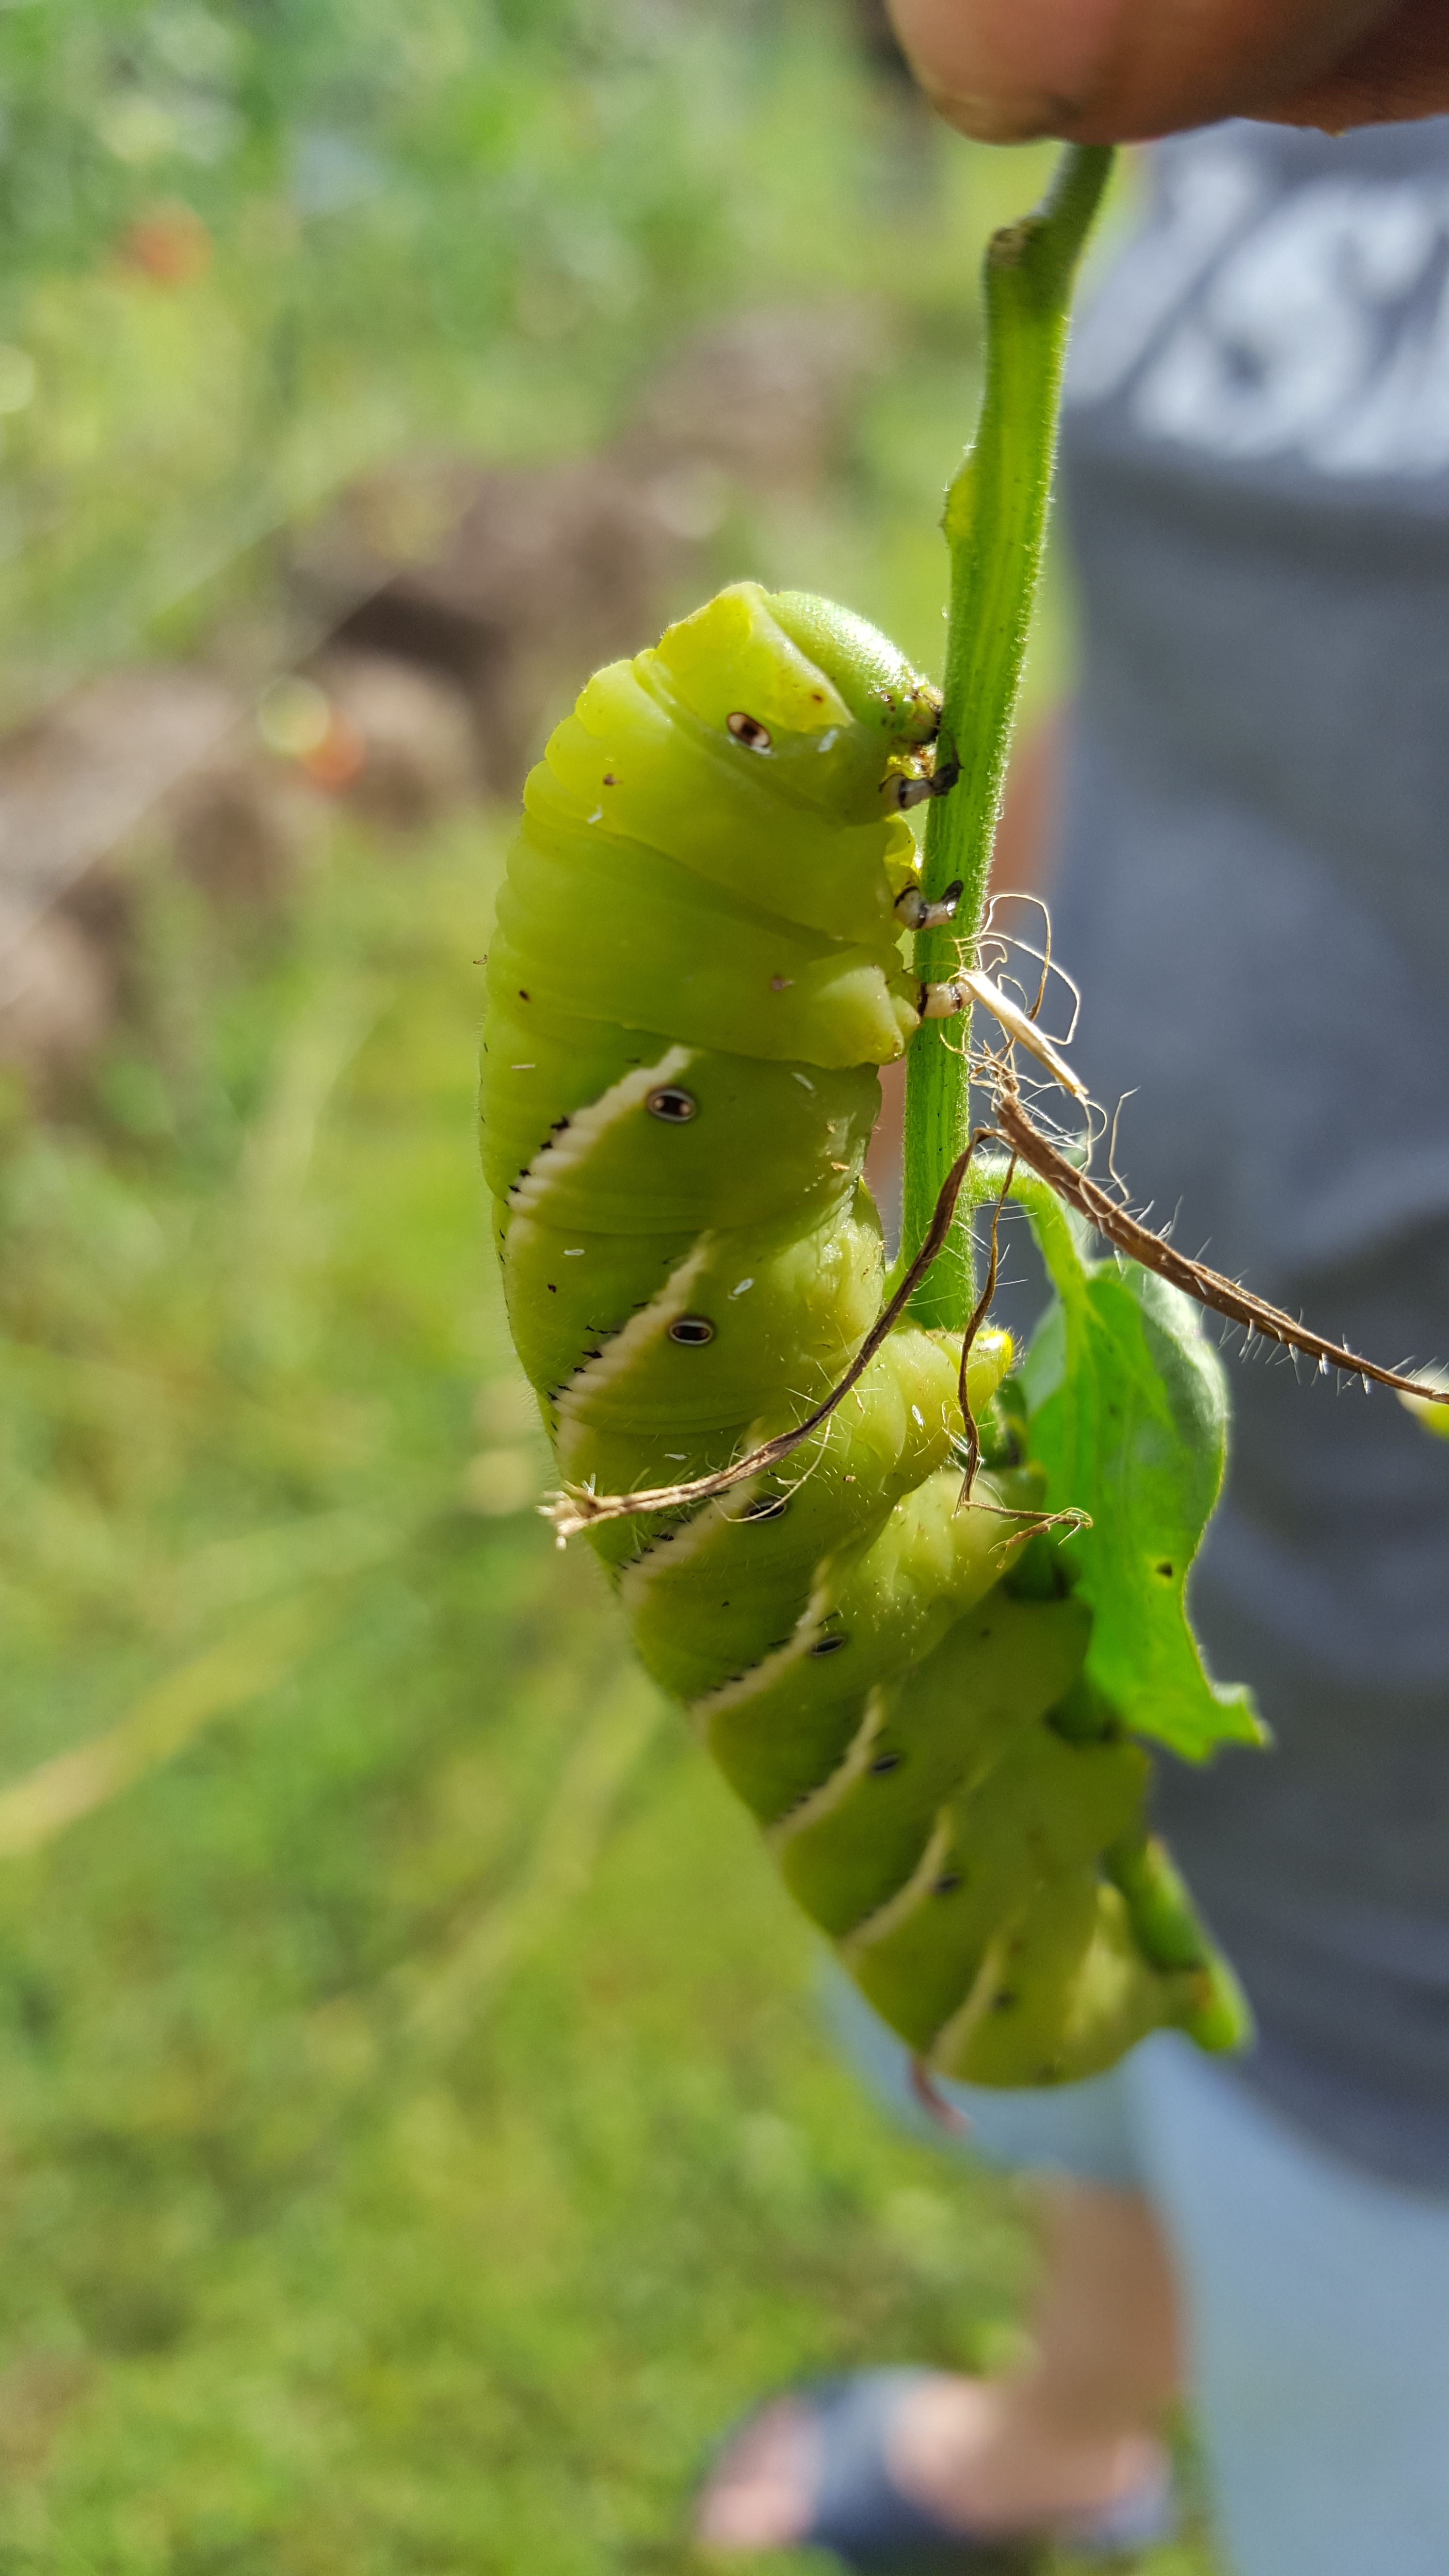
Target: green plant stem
(995, 524)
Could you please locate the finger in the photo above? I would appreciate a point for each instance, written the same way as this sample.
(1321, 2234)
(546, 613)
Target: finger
(1105, 71)
(1401, 70)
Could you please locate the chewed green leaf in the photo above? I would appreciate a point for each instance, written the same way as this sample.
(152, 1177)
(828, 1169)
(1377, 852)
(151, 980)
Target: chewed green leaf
(1127, 1413)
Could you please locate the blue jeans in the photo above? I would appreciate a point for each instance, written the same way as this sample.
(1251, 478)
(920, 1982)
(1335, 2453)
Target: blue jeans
(1316, 2294)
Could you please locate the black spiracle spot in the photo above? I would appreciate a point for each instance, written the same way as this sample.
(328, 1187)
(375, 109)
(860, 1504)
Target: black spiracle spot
(947, 1883)
(673, 1104)
(766, 1507)
(828, 1645)
(1006, 2001)
(749, 731)
(691, 1331)
(885, 1762)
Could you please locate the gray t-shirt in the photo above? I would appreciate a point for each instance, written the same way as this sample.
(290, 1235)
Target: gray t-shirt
(1255, 897)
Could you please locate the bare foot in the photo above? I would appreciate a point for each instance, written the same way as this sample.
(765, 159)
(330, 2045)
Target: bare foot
(973, 2452)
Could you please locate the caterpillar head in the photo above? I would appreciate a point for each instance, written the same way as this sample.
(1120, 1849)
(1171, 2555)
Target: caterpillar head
(793, 681)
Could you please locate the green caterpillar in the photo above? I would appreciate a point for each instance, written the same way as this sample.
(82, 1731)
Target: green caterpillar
(696, 970)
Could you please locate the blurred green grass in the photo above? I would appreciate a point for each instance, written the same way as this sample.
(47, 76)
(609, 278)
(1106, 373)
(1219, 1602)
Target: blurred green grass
(417, 2141)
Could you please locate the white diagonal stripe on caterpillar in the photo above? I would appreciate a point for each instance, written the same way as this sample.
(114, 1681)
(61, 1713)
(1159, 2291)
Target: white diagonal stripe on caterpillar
(884, 1919)
(634, 1340)
(949, 2044)
(587, 1127)
(738, 1692)
(684, 1543)
(852, 1766)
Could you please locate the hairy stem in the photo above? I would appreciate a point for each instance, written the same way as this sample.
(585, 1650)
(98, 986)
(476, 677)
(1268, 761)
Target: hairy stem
(995, 523)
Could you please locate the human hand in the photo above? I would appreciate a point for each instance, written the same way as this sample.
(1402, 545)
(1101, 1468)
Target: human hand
(1109, 71)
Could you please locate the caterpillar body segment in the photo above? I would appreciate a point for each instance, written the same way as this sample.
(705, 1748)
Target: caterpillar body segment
(1065, 1986)
(732, 1579)
(637, 1329)
(935, 1736)
(699, 965)
(625, 1131)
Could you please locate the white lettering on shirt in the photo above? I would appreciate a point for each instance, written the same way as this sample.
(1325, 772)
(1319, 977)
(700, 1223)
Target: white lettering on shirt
(1246, 323)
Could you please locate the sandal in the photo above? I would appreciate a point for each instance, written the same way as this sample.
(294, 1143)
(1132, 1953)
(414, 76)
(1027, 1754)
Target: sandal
(863, 2516)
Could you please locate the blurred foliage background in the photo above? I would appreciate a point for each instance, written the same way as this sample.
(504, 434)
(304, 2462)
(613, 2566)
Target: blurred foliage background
(252, 250)
(415, 2138)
